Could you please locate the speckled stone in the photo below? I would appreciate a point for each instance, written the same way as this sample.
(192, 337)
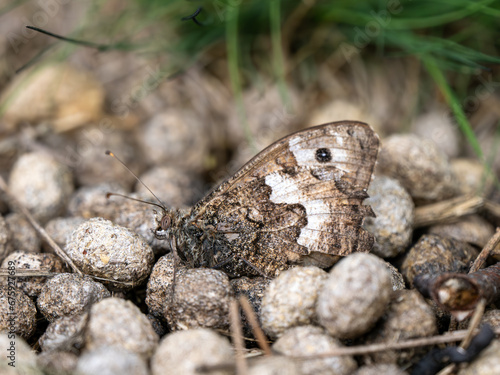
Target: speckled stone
(64, 334)
(408, 316)
(202, 299)
(42, 184)
(37, 262)
(101, 248)
(111, 360)
(91, 201)
(5, 239)
(69, 294)
(60, 229)
(21, 353)
(273, 365)
(19, 308)
(22, 234)
(380, 369)
(419, 165)
(492, 317)
(487, 363)
(117, 322)
(57, 363)
(397, 279)
(472, 229)
(310, 340)
(470, 175)
(435, 254)
(355, 295)
(183, 352)
(394, 210)
(290, 299)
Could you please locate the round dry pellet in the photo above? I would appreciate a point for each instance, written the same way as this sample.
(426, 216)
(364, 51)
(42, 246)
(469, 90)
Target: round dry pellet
(183, 352)
(419, 165)
(111, 360)
(492, 317)
(378, 369)
(64, 334)
(437, 126)
(355, 295)
(397, 279)
(69, 294)
(273, 365)
(18, 358)
(101, 248)
(42, 184)
(21, 260)
(487, 363)
(117, 322)
(394, 210)
(17, 311)
(470, 175)
(408, 316)
(91, 201)
(253, 289)
(434, 254)
(57, 363)
(182, 130)
(22, 234)
(310, 340)
(60, 229)
(201, 299)
(5, 239)
(176, 187)
(472, 229)
(290, 299)
(159, 290)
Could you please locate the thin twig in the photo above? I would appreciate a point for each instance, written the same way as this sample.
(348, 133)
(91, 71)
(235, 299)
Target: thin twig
(15, 202)
(237, 335)
(490, 246)
(257, 331)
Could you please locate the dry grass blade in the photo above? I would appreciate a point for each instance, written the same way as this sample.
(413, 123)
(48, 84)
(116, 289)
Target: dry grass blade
(19, 206)
(490, 246)
(257, 331)
(448, 210)
(237, 335)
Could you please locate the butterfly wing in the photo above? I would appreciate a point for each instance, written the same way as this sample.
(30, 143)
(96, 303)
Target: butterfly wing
(302, 194)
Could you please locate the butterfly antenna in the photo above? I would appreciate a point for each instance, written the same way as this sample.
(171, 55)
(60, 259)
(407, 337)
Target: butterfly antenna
(161, 204)
(133, 199)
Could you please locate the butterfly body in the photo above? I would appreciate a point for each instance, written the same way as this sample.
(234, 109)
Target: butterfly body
(301, 195)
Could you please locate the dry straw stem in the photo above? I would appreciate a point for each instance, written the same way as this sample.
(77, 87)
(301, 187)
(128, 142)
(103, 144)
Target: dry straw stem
(237, 335)
(60, 252)
(254, 323)
(490, 246)
(448, 210)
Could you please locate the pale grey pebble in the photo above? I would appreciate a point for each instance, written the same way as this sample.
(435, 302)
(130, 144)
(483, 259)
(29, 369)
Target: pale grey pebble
(57, 362)
(470, 174)
(64, 334)
(472, 229)
(182, 352)
(69, 294)
(5, 239)
(111, 360)
(201, 299)
(419, 165)
(41, 184)
(20, 354)
(408, 316)
(91, 201)
(60, 229)
(182, 130)
(20, 260)
(487, 363)
(22, 234)
(394, 210)
(22, 313)
(118, 322)
(290, 299)
(100, 248)
(310, 340)
(380, 369)
(273, 365)
(355, 295)
(176, 187)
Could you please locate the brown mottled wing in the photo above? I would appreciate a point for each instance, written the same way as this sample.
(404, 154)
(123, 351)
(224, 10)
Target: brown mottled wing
(304, 192)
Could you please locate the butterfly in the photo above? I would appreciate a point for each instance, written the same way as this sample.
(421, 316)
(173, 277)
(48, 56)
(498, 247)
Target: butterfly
(300, 196)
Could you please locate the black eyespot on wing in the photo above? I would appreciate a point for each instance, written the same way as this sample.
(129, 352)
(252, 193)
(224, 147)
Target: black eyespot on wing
(323, 155)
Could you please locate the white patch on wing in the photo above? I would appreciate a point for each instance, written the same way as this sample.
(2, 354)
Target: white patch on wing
(285, 190)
